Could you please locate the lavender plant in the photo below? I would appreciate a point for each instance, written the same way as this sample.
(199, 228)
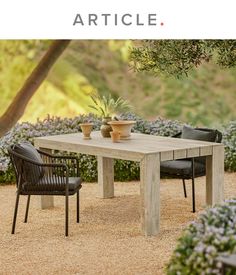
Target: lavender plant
(229, 140)
(158, 127)
(48, 126)
(212, 235)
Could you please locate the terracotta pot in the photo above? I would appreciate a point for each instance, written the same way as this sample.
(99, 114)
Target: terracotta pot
(106, 128)
(86, 129)
(123, 127)
(115, 136)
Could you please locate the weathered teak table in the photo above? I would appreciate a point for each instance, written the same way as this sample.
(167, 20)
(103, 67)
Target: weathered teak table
(149, 150)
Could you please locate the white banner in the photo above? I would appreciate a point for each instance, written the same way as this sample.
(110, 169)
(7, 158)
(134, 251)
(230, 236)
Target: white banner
(106, 19)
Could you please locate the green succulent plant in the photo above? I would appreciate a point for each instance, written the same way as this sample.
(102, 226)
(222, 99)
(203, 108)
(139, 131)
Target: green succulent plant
(106, 106)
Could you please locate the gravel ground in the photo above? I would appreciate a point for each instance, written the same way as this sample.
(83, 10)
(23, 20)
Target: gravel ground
(108, 239)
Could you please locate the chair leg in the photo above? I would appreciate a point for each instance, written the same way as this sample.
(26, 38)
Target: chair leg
(193, 194)
(66, 214)
(184, 186)
(193, 186)
(27, 209)
(77, 204)
(15, 213)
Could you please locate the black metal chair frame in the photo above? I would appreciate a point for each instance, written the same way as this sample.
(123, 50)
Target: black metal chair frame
(192, 177)
(58, 167)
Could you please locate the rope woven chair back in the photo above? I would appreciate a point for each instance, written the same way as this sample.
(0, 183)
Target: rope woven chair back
(218, 134)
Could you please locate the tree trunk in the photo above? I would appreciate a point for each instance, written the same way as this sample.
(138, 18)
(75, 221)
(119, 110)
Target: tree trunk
(17, 107)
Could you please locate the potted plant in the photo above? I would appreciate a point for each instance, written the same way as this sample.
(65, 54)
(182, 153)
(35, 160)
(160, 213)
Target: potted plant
(107, 107)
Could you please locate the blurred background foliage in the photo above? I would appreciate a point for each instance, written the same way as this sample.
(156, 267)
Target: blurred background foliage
(206, 97)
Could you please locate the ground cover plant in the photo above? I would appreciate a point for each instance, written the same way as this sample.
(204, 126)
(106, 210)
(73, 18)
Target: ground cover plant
(229, 139)
(212, 235)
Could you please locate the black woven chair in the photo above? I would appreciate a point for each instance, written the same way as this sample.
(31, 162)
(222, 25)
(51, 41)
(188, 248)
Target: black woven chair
(192, 167)
(40, 173)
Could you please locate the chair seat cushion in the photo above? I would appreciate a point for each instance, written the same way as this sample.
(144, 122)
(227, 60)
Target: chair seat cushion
(180, 168)
(74, 183)
(47, 184)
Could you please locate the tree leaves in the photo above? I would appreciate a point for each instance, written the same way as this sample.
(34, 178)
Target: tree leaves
(178, 57)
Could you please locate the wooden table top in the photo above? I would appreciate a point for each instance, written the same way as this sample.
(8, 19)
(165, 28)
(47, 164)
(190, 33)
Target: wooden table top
(132, 149)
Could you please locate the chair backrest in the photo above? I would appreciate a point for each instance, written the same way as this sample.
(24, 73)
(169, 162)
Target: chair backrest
(218, 134)
(204, 134)
(215, 137)
(26, 162)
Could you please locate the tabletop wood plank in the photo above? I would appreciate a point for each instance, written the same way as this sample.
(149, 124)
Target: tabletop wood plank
(135, 148)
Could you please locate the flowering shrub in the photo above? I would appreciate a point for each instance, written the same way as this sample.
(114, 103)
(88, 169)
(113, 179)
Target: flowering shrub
(214, 234)
(124, 170)
(158, 127)
(229, 140)
(48, 126)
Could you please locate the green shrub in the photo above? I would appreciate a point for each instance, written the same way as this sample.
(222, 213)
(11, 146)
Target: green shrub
(229, 140)
(124, 170)
(212, 235)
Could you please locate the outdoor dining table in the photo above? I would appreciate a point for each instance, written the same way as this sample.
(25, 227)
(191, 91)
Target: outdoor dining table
(149, 150)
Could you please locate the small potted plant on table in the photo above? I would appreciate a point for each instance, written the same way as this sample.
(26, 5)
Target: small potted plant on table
(107, 107)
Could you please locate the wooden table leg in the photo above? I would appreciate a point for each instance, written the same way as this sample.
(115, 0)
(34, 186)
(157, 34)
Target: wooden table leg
(46, 201)
(150, 194)
(215, 176)
(105, 177)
